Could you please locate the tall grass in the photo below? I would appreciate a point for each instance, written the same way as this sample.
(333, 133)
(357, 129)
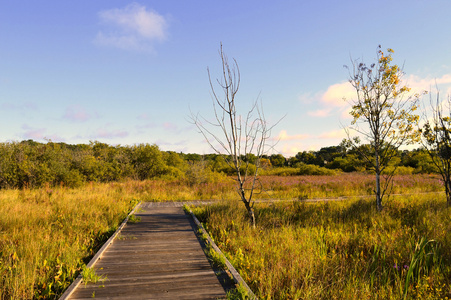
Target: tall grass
(347, 184)
(277, 187)
(47, 235)
(339, 250)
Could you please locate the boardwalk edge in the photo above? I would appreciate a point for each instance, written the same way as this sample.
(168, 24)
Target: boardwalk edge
(98, 255)
(236, 276)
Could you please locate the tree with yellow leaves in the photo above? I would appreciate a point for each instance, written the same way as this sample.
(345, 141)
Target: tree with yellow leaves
(383, 114)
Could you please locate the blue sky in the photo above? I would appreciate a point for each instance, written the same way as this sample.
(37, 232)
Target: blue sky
(125, 72)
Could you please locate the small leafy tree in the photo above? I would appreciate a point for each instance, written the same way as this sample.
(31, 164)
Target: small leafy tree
(436, 138)
(148, 161)
(383, 114)
(239, 139)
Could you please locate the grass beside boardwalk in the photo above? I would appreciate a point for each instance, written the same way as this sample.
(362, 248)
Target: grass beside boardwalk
(47, 235)
(339, 250)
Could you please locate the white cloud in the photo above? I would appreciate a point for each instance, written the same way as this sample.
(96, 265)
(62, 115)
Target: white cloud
(336, 93)
(418, 84)
(133, 27)
(333, 99)
(283, 136)
(345, 113)
(334, 134)
(320, 113)
(291, 150)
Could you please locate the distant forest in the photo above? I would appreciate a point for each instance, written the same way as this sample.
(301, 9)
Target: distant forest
(30, 164)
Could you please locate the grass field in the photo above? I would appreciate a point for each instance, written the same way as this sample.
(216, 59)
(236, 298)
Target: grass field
(339, 250)
(47, 235)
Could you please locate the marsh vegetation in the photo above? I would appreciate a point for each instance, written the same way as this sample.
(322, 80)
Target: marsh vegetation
(339, 250)
(49, 232)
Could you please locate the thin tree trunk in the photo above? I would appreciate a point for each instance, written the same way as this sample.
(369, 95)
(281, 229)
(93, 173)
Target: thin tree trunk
(247, 204)
(378, 192)
(378, 182)
(251, 214)
(448, 190)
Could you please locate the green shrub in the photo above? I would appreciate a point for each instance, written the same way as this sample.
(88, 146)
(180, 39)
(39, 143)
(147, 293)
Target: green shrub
(285, 171)
(315, 170)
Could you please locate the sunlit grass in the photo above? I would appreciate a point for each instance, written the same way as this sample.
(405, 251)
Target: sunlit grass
(347, 184)
(339, 250)
(47, 235)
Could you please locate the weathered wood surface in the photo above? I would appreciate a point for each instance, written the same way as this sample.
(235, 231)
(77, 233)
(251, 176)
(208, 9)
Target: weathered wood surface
(159, 257)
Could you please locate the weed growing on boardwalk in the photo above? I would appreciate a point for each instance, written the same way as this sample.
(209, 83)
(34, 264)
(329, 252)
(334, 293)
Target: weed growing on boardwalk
(134, 219)
(89, 275)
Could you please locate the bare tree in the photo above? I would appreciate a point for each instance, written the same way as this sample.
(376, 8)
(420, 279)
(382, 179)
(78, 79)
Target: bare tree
(239, 139)
(436, 138)
(382, 114)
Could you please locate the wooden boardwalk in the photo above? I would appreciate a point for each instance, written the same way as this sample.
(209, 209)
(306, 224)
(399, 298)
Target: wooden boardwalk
(159, 257)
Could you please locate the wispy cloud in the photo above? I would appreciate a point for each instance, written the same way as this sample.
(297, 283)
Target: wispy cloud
(143, 116)
(33, 133)
(19, 106)
(109, 134)
(284, 136)
(320, 112)
(39, 134)
(77, 114)
(170, 126)
(133, 27)
(291, 150)
(418, 84)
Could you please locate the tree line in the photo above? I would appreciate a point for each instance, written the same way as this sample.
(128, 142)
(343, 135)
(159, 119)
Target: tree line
(30, 164)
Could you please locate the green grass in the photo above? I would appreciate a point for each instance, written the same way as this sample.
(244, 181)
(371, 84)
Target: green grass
(134, 219)
(339, 250)
(89, 275)
(47, 235)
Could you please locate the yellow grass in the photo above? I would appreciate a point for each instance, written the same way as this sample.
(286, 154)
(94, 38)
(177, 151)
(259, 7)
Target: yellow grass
(47, 235)
(339, 250)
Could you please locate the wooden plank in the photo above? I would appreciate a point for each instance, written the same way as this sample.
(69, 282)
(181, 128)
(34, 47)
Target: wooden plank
(237, 277)
(159, 257)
